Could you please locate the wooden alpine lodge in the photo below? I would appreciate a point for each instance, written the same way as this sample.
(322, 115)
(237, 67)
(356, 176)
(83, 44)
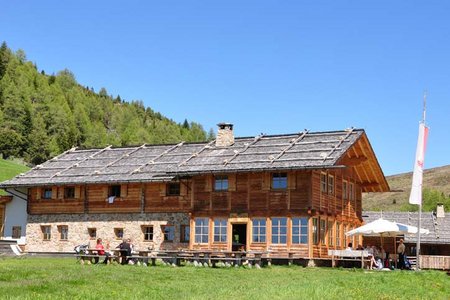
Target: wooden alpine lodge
(291, 192)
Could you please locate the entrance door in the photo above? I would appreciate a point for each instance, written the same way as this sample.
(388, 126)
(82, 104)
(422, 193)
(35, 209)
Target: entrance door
(239, 237)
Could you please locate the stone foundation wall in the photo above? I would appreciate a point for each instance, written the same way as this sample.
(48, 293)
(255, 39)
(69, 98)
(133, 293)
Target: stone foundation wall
(104, 223)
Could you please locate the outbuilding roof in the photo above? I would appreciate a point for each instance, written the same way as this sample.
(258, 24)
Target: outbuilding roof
(147, 163)
(439, 227)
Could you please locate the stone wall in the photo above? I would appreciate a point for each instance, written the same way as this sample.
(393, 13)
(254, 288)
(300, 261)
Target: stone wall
(78, 225)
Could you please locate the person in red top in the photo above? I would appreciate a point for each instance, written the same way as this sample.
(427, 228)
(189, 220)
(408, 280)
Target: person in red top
(101, 251)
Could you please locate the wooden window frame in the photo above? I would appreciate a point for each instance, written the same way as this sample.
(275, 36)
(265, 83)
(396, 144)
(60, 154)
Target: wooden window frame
(90, 231)
(279, 181)
(297, 230)
(114, 190)
(221, 183)
(169, 236)
(44, 194)
(257, 235)
(203, 231)
(323, 230)
(315, 231)
(173, 189)
(344, 189)
(330, 228)
(46, 232)
(220, 230)
(277, 235)
(69, 192)
(16, 232)
(323, 183)
(185, 238)
(148, 236)
(61, 232)
(351, 191)
(338, 235)
(331, 184)
(117, 231)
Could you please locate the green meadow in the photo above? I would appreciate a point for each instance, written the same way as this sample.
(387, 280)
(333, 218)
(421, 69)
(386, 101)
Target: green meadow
(64, 278)
(9, 169)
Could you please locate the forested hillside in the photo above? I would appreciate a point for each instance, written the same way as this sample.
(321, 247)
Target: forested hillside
(43, 115)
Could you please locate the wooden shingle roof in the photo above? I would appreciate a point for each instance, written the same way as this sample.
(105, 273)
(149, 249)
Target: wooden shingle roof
(147, 163)
(439, 227)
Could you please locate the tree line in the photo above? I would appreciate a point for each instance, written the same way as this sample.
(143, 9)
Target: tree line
(42, 115)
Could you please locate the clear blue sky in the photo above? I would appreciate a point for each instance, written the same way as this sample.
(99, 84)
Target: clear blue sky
(266, 66)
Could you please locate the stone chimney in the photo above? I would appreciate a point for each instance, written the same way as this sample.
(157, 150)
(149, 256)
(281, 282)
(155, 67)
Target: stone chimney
(440, 213)
(225, 136)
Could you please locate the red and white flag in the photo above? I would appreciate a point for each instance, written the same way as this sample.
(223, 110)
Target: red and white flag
(416, 190)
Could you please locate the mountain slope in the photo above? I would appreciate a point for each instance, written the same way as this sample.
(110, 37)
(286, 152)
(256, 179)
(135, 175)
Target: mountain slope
(436, 184)
(43, 115)
(9, 169)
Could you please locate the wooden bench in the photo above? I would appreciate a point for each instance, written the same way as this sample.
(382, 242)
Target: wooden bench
(348, 255)
(90, 258)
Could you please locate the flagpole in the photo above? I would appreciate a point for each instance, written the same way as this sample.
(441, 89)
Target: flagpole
(420, 204)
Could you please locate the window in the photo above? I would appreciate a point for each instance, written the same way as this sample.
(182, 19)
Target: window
(114, 190)
(221, 183)
(279, 181)
(331, 184)
(279, 230)
(323, 228)
(185, 233)
(330, 233)
(69, 192)
(220, 230)
(300, 230)
(338, 234)
(46, 193)
(63, 232)
(323, 182)
(173, 189)
(46, 233)
(16, 232)
(259, 231)
(315, 230)
(169, 233)
(351, 192)
(92, 233)
(201, 230)
(118, 232)
(345, 190)
(148, 233)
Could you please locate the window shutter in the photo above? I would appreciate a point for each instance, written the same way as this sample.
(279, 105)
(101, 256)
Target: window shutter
(162, 189)
(267, 181)
(232, 182)
(77, 192)
(54, 192)
(208, 183)
(123, 190)
(183, 188)
(105, 191)
(38, 193)
(60, 192)
(292, 182)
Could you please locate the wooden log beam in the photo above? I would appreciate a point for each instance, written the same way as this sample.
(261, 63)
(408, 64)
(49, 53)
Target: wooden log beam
(354, 161)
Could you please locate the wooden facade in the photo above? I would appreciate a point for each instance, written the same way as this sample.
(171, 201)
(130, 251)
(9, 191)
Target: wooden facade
(285, 193)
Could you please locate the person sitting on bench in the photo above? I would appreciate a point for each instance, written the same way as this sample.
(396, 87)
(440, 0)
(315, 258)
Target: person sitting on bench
(125, 251)
(101, 251)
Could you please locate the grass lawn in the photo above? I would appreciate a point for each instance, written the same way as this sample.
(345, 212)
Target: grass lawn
(63, 278)
(9, 169)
